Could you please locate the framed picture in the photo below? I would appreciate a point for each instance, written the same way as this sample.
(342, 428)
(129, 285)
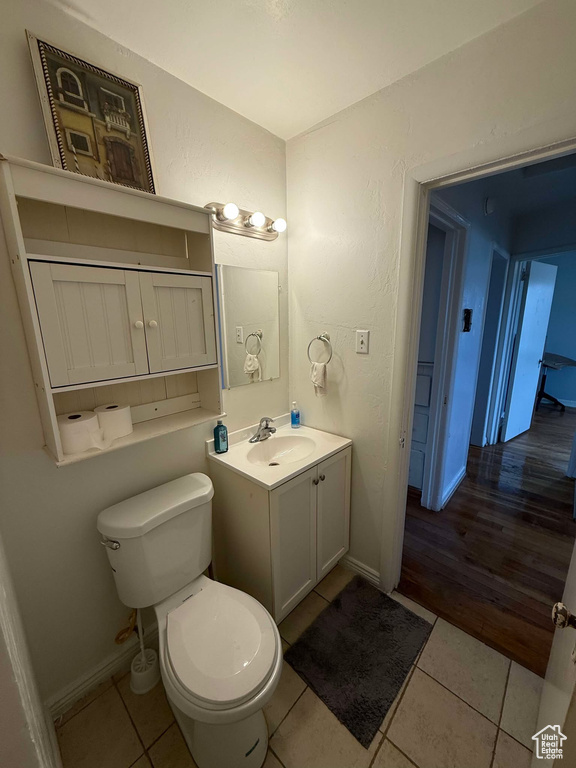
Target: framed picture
(94, 119)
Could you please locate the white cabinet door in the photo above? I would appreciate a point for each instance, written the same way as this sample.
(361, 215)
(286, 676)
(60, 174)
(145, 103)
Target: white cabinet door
(333, 511)
(179, 320)
(293, 540)
(89, 317)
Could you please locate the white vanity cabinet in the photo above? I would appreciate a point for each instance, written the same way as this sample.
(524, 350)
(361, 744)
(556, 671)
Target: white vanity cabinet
(101, 323)
(293, 540)
(278, 544)
(178, 320)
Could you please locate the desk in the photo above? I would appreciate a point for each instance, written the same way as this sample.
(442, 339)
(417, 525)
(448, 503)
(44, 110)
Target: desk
(556, 363)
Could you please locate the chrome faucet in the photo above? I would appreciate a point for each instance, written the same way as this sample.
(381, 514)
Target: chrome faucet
(264, 430)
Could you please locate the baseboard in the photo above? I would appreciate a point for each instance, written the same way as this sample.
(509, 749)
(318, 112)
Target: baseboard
(363, 570)
(116, 663)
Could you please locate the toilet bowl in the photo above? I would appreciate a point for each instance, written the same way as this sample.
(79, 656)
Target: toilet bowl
(220, 650)
(221, 660)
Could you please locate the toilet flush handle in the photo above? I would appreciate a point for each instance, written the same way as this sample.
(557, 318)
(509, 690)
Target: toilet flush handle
(110, 543)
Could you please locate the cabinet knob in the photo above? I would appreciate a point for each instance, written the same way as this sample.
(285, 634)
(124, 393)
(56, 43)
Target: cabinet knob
(315, 481)
(138, 324)
(322, 477)
(152, 324)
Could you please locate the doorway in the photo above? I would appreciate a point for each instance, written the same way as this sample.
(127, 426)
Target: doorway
(485, 405)
(491, 555)
(440, 372)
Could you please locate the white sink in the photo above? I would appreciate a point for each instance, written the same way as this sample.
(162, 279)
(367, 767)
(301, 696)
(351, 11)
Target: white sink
(281, 457)
(281, 449)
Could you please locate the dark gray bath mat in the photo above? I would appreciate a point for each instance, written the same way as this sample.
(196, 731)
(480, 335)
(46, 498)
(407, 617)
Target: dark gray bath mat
(357, 653)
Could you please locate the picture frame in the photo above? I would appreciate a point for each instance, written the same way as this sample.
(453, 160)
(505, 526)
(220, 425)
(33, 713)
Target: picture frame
(94, 119)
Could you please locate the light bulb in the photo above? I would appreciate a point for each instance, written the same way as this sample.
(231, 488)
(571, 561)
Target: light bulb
(278, 225)
(257, 219)
(228, 212)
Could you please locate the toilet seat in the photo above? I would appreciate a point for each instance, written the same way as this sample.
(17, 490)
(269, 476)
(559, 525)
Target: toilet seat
(221, 646)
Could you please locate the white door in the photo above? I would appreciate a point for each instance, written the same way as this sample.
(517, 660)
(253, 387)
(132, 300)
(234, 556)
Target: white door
(558, 701)
(529, 348)
(293, 541)
(333, 510)
(91, 322)
(179, 320)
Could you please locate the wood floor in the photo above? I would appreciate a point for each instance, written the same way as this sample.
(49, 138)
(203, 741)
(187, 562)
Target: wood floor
(495, 560)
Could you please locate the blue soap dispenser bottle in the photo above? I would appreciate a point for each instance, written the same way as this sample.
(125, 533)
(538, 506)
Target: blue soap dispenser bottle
(294, 416)
(220, 437)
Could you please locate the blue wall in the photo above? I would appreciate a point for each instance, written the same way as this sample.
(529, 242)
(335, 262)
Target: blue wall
(468, 200)
(431, 297)
(561, 337)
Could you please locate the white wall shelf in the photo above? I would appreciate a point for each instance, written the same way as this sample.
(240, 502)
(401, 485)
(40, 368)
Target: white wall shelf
(118, 306)
(146, 430)
(91, 252)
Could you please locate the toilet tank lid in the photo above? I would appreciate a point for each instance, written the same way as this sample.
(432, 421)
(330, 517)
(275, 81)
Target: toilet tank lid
(136, 516)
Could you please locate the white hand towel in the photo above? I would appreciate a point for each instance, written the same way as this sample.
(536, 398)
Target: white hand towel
(252, 367)
(318, 378)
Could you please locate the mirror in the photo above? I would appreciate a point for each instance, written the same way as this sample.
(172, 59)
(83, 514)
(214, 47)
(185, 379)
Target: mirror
(249, 325)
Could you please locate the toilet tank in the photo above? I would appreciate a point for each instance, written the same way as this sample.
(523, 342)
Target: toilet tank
(159, 541)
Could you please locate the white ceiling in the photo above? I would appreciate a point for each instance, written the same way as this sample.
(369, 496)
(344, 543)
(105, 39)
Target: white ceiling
(287, 64)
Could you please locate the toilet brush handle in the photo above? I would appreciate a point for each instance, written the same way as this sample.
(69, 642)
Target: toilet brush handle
(140, 633)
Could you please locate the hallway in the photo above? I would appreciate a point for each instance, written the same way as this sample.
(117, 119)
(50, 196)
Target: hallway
(494, 561)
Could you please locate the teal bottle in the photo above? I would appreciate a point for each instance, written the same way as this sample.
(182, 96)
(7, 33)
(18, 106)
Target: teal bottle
(294, 416)
(220, 437)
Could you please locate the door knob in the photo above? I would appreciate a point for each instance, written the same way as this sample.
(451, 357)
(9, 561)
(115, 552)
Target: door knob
(152, 324)
(138, 324)
(561, 617)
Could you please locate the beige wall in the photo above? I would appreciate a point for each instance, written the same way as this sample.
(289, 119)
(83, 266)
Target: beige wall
(506, 92)
(202, 152)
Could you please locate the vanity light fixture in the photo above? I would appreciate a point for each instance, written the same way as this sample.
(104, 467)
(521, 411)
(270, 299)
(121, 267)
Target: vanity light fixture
(228, 212)
(256, 219)
(278, 225)
(229, 218)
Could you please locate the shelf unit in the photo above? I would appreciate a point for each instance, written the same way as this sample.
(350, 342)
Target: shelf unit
(56, 217)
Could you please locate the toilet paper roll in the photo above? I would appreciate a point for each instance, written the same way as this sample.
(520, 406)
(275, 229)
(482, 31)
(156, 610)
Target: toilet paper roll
(81, 431)
(115, 420)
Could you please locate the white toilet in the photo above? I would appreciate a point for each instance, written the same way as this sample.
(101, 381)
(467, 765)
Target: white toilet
(220, 650)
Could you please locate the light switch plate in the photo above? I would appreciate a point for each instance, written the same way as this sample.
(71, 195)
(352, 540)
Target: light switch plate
(239, 334)
(362, 342)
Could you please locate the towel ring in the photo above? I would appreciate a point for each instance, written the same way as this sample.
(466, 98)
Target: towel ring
(326, 339)
(258, 335)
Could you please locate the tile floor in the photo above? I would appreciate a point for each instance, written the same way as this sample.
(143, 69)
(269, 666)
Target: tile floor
(463, 705)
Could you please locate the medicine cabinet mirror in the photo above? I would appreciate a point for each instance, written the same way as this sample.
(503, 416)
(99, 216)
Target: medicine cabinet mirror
(249, 325)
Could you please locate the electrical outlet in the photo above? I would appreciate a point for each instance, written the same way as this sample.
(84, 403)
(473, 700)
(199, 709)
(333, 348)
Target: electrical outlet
(362, 342)
(239, 334)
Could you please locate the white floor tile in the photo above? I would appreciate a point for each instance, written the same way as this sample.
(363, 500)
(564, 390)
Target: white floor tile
(510, 753)
(419, 610)
(435, 729)
(467, 667)
(312, 737)
(521, 704)
(289, 689)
